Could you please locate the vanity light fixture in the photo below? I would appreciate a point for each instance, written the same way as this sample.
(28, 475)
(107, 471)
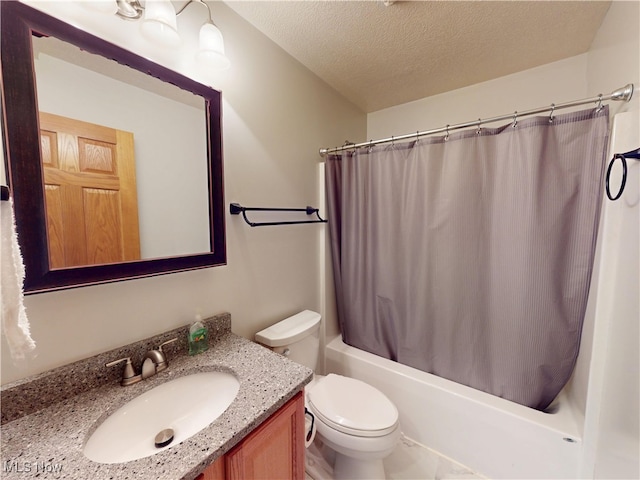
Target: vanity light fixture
(128, 9)
(159, 25)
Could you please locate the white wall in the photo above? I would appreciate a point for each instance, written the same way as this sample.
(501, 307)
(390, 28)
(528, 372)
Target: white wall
(276, 115)
(552, 83)
(612, 423)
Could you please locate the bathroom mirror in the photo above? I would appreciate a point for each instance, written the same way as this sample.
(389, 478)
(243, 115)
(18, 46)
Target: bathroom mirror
(50, 71)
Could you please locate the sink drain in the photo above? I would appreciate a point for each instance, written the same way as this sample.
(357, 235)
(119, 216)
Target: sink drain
(164, 438)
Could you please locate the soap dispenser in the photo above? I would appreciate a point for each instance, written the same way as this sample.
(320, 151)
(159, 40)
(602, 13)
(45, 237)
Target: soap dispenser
(198, 339)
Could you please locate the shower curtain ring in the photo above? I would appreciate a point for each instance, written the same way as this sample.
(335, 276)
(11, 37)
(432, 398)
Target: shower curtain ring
(553, 107)
(348, 144)
(446, 137)
(479, 123)
(370, 145)
(515, 119)
(417, 135)
(600, 106)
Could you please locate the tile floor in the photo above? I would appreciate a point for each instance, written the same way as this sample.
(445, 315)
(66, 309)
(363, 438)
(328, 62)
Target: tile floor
(409, 461)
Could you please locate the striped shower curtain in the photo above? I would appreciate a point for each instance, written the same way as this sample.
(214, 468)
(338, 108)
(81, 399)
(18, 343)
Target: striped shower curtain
(470, 257)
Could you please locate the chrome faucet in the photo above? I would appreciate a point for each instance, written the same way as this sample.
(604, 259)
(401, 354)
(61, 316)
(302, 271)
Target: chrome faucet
(154, 361)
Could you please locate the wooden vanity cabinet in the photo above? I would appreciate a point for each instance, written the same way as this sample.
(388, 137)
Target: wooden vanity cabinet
(275, 450)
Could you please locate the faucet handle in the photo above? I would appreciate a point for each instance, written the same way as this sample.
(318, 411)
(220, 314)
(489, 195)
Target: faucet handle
(167, 343)
(163, 364)
(129, 376)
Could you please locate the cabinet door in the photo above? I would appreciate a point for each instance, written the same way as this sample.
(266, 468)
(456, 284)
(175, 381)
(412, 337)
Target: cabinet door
(275, 450)
(215, 471)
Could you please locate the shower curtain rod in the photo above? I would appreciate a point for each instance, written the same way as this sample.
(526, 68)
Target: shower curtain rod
(622, 94)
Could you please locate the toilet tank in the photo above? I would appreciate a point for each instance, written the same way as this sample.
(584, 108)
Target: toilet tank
(296, 337)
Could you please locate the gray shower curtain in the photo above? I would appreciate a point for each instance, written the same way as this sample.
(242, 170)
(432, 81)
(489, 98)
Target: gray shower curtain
(470, 257)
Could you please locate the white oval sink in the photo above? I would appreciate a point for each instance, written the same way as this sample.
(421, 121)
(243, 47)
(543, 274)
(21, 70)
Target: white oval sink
(185, 405)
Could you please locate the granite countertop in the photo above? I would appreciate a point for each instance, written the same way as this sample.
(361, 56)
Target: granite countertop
(48, 442)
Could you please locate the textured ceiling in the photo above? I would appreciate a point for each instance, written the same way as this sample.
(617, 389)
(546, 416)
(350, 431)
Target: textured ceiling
(379, 56)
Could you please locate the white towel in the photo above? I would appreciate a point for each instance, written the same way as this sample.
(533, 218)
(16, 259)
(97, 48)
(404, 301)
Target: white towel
(15, 324)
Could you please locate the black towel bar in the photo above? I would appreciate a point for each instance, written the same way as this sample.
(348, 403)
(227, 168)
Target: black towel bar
(237, 209)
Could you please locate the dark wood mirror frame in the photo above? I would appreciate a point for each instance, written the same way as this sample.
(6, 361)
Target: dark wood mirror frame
(22, 153)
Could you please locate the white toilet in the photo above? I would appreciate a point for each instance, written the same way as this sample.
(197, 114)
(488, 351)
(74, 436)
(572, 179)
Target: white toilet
(355, 420)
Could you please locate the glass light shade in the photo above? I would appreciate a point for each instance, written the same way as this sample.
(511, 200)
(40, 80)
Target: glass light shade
(211, 53)
(159, 23)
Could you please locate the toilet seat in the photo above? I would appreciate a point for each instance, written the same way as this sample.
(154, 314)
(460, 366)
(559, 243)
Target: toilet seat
(352, 407)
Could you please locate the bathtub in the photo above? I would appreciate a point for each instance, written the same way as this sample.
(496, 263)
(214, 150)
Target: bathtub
(494, 437)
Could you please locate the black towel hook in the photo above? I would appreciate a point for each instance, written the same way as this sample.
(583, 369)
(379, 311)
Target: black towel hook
(635, 154)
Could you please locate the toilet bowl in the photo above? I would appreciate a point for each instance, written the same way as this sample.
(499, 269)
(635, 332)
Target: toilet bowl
(355, 421)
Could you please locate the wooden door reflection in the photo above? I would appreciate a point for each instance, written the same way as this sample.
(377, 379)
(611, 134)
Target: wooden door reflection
(90, 192)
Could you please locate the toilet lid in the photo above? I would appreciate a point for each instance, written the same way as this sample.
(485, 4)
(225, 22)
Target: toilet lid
(351, 406)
